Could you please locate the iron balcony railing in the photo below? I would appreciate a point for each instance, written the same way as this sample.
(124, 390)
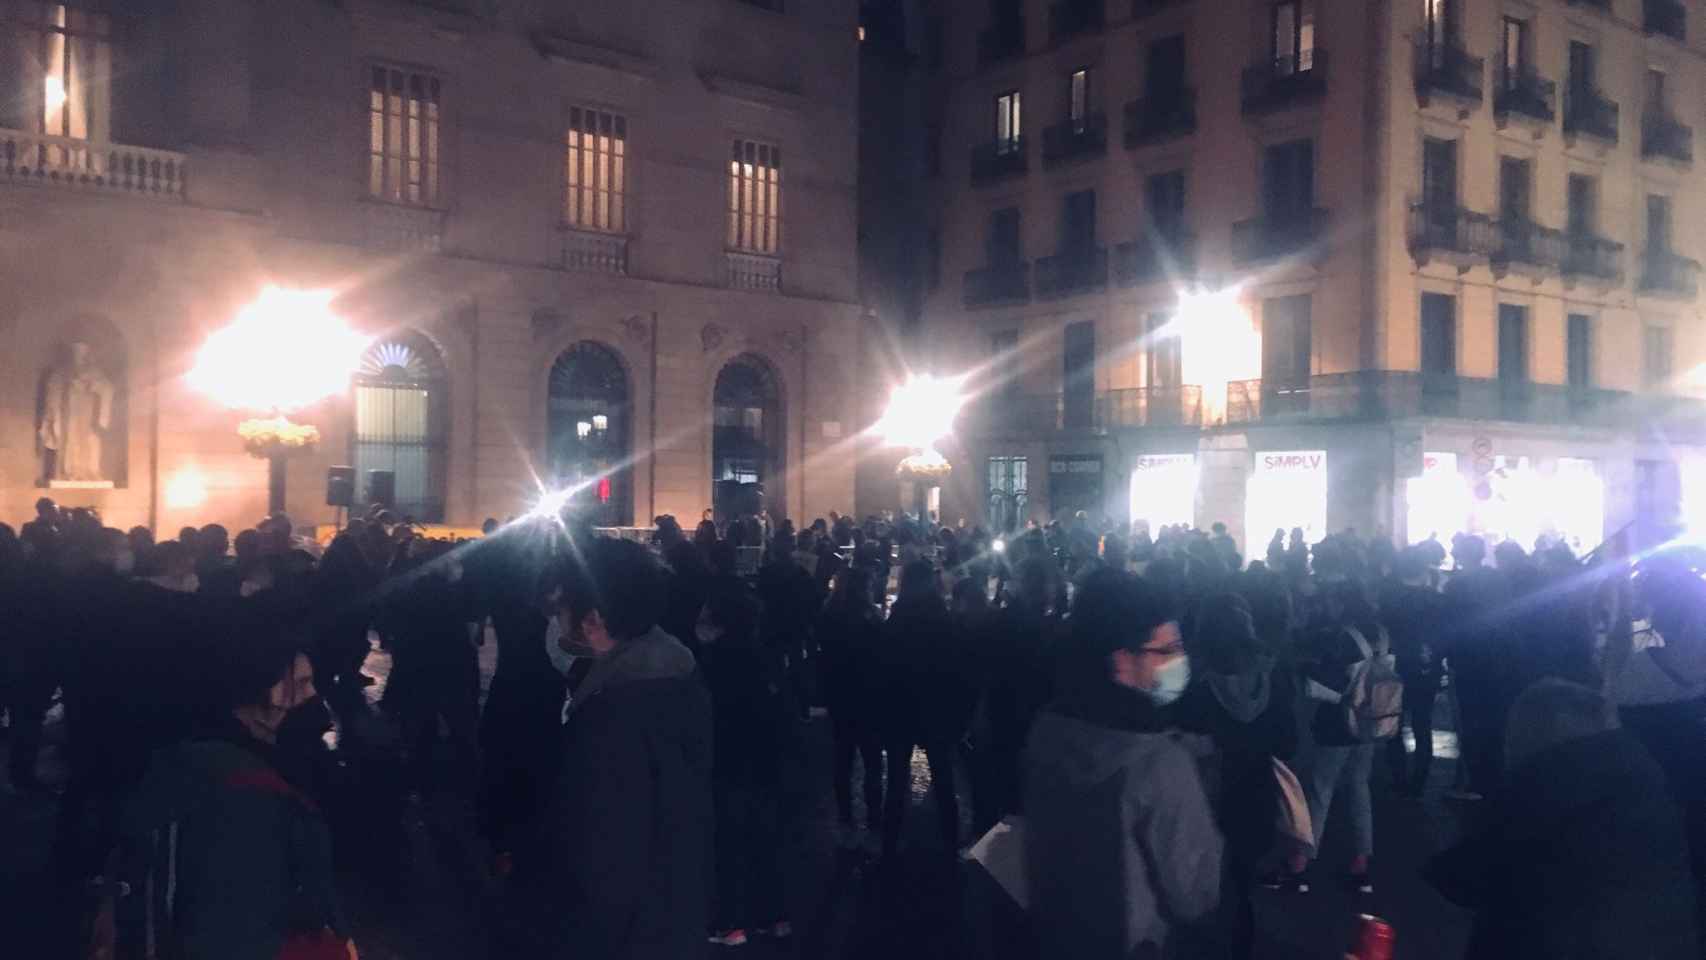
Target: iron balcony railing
(1588, 112)
(1522, 241)
(1001, 40)
(1526, 95)
(998, 283)
(1663, 137)
(1068, 18)
(1075, 139)
(1161, 117)
(1447, 227)
(1444, 67)
(1664, 271)
(1072, 272)
(1159, 255)
(1592, 257)
(998, 159)
(1280, 233)
(1150, 407)
(1284, 81)
(89, 165)
(1666, 18)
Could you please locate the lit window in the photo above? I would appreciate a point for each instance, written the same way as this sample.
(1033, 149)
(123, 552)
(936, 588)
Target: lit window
(1007, 118)
(1293, 36)
(1078, 99)
(63, 55)
(596, 171)
(404, 109)
(755, 197)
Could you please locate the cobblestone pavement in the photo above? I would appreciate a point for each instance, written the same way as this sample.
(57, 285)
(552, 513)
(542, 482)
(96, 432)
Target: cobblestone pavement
(842, 906)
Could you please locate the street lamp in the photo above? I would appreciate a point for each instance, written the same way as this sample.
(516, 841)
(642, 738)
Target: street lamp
(920, 413)
(285, 351)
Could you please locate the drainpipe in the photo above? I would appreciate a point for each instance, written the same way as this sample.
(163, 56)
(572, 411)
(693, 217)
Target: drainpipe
(652, 432)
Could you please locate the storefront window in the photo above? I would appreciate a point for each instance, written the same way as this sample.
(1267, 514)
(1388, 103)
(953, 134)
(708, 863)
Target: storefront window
(1164, 490)
(1287, 489)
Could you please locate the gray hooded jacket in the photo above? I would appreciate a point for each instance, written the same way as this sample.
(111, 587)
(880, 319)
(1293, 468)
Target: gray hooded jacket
(1120, 843)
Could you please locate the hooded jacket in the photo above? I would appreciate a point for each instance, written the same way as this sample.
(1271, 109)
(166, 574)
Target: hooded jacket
(1585, 857)
(628, 828)
(1249, 717)
(1121, 845)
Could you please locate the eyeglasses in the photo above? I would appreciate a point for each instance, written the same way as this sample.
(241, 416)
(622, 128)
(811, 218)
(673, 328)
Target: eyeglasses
(1170, 650)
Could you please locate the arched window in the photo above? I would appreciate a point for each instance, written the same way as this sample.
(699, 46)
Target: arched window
(402, 419)
(588, 430)
(747, 443)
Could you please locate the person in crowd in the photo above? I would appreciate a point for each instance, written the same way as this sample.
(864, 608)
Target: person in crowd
(1243, 703)
(1480, 655)
(928, 709)
(1584, 853)
(1017, 673)
(1121, 849)
(849, 631)
(174, 568)
(1413, 614)
(1339, 764)
(625, 845)
(745, 682)
(790, 603)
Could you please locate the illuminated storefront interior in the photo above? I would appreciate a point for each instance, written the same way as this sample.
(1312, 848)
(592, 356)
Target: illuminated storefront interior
(1287, 489)
(1164, 490)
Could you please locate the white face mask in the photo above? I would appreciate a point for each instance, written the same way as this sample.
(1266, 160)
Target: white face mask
(1171, 681)
(561, 659)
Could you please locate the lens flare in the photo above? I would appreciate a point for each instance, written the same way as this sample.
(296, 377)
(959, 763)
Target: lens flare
(921, 411)
(285, 351)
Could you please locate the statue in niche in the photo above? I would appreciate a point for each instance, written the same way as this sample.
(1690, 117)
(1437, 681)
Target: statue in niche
(77, 413)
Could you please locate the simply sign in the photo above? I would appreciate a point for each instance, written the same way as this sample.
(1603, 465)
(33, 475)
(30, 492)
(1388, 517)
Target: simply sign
(1162, 461)
(1292, 461)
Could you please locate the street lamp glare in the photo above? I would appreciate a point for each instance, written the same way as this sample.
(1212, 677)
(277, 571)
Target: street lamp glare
(921, 411)
(284, 351)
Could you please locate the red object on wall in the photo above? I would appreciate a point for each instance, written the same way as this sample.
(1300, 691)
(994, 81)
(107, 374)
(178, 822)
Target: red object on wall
(603, 489)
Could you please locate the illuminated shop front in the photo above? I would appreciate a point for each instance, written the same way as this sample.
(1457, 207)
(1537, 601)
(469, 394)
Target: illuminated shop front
(1287, 488)
(1164, 490)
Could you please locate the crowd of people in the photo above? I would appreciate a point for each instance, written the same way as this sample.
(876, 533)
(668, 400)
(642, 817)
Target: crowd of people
(1172, 726)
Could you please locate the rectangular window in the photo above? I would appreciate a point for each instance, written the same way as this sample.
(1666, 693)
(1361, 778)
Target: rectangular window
(1163, 349)
(1657, 104)
(1286, 347)
(755, 197)
(1578, 350)
(1004, 364)
(1581, 214)
(1513, 342)
(1288, 178)
(1080, 374)
(1658, 222)
(1439, 174)
(1164, 69)
(1439, 334)
(1581, 67)
(61, 59)
(1007, 118)
(1003, 248)
(1293, 36)
(1165, 197)
(1656, 344)
(1514, 62)
(1009, 492)
(1440, 25)
(1078, 99)
(1078, 222)
(1514, 190)
(595, 171)
(404, 110)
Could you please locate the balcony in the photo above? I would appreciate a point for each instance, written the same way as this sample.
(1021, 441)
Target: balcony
(1149, 8)
(1067, 274)
(1445, 69)
(752, 271)
(1522, 246)
(1525, 96)
(998, 160)
(1002, 283)
(1592, 258)
(401, 228)
(1010, 413)
(1161, 254)
(1665, 273)
(1283, 82)
(1397, 394)
(1150, 120)
(1665, 18)
(1072, 140)
(1150, 407)
(590, 252)
(1069, 18)
(97, 167)
(1662, 138)
(1451, 233)
(1001, 40)
(1588, 113)
(1279, 234)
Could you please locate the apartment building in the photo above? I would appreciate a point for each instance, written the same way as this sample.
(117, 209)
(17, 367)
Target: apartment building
(600, 244)
(1419, 266)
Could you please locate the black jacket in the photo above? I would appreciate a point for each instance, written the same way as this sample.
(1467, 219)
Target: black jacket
(931, 698)
(1585, 857)
(1249, 717)
(628, 831)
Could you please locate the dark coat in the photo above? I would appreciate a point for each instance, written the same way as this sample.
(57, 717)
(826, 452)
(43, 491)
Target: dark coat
(1249, 719)
(751, 715)
(628, 830)
(848, 640)
(1585, 857)
(931, 699)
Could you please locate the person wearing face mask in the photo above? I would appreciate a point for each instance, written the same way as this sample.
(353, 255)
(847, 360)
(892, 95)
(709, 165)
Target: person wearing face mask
(1121, 849)
(238, 859)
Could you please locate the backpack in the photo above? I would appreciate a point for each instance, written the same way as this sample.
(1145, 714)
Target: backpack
(1373, 701)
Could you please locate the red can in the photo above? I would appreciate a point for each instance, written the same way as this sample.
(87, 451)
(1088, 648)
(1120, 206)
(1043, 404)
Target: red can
(1374, 941)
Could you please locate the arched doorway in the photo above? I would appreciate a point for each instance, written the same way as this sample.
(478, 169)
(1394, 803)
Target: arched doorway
(402, 421)
(747, 443)
(588, 426)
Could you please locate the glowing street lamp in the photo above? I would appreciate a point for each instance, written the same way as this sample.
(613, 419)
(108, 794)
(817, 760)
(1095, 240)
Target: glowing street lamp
(921, 412)
(285, 351)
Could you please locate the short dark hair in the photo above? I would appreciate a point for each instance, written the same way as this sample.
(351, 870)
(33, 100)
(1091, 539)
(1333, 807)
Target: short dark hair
(620, 579)
(1114, 610)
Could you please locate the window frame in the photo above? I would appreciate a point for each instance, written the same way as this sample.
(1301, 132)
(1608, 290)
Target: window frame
(1515, 60)
(770, 215)
(1009, 121)
(437, 165)
(1078, 99)
(1585, 380)
(624, 194)
(1299, 58)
